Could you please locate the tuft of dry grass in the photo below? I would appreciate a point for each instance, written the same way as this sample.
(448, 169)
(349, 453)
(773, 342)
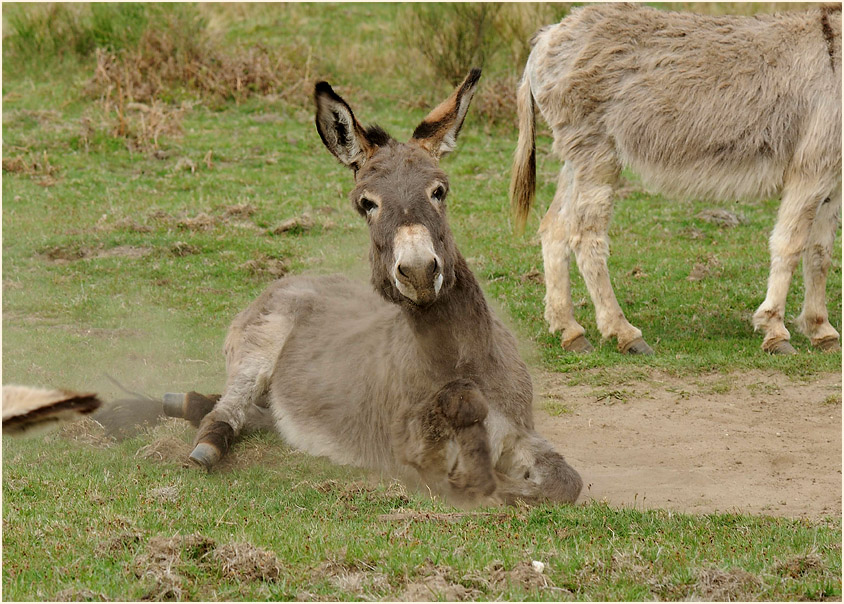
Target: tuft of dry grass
(246, 562)
(34, 165)
(734, 585)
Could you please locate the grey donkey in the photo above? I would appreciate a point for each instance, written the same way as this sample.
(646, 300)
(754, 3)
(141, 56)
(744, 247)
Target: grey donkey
(706, 107)
(417, 378)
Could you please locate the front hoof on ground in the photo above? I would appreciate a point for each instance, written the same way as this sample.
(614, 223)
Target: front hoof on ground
(580, 345)
(779, 347)
(205, 455)
(638, 346)
(828, 344)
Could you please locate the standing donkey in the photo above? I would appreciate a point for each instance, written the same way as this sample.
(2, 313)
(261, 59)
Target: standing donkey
(708, 107)
(417, 379)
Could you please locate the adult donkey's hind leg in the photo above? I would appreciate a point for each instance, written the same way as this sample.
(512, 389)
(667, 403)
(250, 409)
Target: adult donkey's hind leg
(556, 255)
(585, 212)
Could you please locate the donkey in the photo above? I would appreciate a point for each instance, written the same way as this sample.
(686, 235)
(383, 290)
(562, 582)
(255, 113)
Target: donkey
(707, 107)
(417, 379)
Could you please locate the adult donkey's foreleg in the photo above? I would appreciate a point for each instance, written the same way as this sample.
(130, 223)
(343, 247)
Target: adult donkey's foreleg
(813, 321)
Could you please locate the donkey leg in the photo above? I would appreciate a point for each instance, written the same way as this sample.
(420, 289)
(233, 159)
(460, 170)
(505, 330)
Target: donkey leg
(813, 321)
(246, 388)
(556, 255)
(800, 201)
(589, 217)
(191, 406)
(446, 442)
(529, 469)
(465, 409)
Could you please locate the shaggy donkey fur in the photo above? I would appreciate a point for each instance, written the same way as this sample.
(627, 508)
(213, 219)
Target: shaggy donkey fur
(417, 379)
(707, 107)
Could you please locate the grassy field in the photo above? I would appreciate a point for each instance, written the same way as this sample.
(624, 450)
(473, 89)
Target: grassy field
(153, 187)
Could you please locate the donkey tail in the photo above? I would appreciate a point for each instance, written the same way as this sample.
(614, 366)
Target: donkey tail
(523, 176)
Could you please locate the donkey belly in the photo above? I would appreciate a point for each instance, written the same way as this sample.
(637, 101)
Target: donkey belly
(331, 388)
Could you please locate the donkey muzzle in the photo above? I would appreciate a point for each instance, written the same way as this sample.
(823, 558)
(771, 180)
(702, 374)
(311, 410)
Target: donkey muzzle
(417, 271)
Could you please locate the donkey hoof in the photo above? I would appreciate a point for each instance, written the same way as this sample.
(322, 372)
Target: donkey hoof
(205, 455)
(174, 404)
(828, 344)
(580, 345)
(779, 347)
(638, 346)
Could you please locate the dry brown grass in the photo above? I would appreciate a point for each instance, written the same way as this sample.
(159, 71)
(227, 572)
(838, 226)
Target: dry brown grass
(136, 86)
(34, 165)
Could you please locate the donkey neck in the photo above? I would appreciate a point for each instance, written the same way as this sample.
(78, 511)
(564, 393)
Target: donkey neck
(456, 330)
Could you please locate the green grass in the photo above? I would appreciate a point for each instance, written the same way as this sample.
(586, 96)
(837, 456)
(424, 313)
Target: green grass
(324, 522)
(128, 263)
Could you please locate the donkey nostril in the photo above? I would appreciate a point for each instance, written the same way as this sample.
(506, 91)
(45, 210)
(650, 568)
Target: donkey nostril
(401, 272)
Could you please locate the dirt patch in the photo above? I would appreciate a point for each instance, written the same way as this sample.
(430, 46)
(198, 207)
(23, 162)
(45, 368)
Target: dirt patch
(168, 443)
(434, 583)
(356, 577)
(711, 267)
(800, 565)
(63, 254)
(442, 583)
(265, 267)
(296, 225)
(346, 493)
(754, 443)
(161, 564)
(450, 517)
(34, 165)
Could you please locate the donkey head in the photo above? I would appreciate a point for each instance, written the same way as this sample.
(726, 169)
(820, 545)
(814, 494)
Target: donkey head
(400, 190)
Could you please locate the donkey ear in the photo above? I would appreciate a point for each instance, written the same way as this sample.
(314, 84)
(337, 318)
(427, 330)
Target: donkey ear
(338, 128)
(438, 131)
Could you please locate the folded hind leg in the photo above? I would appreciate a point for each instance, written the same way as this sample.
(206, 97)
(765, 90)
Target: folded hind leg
(252, 349)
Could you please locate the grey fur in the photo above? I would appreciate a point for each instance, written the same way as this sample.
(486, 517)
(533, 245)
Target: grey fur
(707, 107)
(430, 390)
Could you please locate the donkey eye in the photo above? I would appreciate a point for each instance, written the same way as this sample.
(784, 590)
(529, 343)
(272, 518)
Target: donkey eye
(438, 194)
(367, 205)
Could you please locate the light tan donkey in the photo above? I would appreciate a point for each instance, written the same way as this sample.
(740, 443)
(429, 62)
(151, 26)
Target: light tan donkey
(414, 377)
(704, 107)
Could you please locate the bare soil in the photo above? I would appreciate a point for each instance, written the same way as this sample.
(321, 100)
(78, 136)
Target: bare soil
(753, 442)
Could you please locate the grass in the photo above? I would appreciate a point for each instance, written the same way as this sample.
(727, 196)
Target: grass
(345, 537)
(128, 256)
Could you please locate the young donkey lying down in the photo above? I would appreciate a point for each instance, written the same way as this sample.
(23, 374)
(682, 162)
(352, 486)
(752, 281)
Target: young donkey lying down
(417, 379)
